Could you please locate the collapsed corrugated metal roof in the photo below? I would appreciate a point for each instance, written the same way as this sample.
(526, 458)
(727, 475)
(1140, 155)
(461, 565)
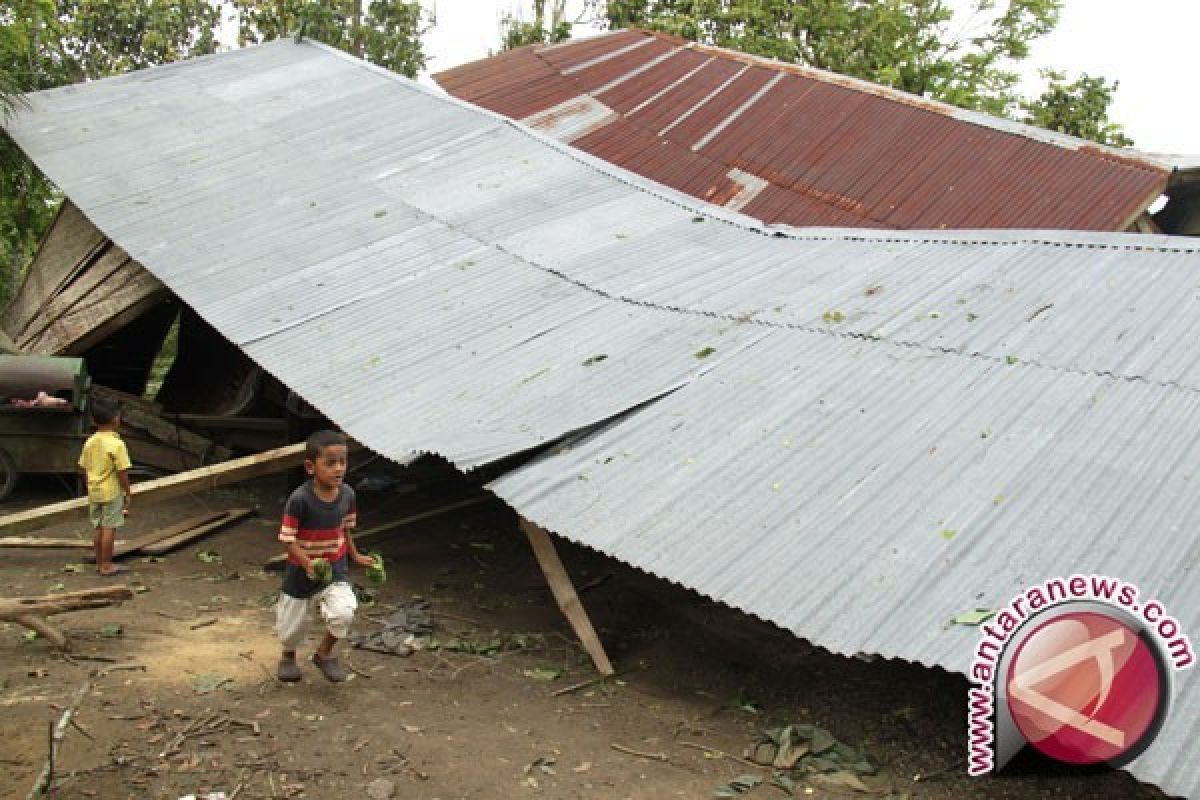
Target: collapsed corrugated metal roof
(791, 144)
(826, 405)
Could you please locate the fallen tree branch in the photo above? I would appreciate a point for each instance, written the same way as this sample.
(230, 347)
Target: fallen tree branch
(31, 611)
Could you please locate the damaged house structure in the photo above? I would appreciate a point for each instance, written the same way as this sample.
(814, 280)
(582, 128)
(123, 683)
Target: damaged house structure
(853, 434)
(781, 143)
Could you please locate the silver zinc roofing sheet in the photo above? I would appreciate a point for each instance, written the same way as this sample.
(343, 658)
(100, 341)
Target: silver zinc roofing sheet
(854, 435)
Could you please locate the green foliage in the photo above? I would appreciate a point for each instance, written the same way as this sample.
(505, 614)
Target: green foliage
(385, 32)
(1079, 108)
(107, 37)
(517, 33)
(917, 46)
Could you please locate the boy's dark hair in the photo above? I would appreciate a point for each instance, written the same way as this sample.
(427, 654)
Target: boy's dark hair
(319, 441)
(104, 410)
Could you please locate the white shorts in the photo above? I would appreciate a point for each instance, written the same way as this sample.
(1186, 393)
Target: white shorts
(335, 603)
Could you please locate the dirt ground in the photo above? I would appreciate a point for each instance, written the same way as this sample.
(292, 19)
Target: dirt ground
(182, 700)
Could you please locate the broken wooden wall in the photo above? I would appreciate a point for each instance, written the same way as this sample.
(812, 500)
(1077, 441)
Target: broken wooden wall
(79, 291)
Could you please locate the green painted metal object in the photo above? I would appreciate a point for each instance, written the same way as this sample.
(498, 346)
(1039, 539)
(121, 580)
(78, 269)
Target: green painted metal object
(41, 439)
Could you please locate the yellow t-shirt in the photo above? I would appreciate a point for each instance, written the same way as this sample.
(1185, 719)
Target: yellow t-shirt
(103, 456)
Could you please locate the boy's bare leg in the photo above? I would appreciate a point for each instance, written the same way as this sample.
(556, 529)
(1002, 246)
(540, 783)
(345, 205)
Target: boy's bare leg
(325, 648)
(104, 550)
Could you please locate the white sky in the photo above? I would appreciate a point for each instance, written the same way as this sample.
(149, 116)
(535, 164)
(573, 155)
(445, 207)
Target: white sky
(1143, 45)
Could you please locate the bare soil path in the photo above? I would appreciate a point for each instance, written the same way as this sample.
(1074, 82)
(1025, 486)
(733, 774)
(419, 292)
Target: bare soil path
(182, 698)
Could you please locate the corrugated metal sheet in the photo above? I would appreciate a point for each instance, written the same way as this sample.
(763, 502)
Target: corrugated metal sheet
(835, 150)
(436, 278)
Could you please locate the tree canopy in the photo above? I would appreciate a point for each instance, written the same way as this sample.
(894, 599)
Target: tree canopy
(1078, 107)
(515, 32)
(918, 46)
(384, 32)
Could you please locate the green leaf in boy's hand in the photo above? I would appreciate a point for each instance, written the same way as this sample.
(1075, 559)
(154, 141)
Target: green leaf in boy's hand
(376, 573)
(322, 570)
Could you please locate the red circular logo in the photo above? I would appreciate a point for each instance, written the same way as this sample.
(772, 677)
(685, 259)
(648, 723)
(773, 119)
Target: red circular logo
(1084, 688)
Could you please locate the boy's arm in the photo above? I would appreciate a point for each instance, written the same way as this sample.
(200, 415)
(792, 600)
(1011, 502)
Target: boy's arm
(355, 556)
(123, 479)
(297, 554)
(348, 525)
(122, 465)
(293, 510)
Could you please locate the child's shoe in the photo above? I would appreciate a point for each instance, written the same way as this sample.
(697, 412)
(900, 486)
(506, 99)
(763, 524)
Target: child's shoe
(288, 670)
(331, 668)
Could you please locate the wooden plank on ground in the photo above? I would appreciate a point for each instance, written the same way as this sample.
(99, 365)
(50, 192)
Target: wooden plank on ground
(167, 545)
(42, 541)
(565, 594)
(134, 544)
(196, 480)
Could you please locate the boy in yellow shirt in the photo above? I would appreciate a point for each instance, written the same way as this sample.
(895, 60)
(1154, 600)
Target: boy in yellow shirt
(105, 461)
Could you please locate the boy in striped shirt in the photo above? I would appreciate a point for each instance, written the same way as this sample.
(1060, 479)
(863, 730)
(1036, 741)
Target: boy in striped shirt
(316, 523)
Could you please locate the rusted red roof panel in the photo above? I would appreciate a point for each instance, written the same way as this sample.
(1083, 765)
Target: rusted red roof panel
(628, 95)
(601, 73)
(790, 144)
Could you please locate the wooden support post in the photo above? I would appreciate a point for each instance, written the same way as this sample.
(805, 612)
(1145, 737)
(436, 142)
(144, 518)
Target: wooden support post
(565, 594)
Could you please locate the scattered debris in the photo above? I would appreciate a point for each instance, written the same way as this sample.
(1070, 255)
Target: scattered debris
(400, 630)
(739, 785)
(544, 764)
(381, 789)
(206, 684)
(974, 617)
(806, 752)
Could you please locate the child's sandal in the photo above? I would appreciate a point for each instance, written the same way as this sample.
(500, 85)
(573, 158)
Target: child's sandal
(331, 668)
(288, 670)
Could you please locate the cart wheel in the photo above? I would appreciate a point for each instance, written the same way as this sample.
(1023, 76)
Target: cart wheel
(8, 474)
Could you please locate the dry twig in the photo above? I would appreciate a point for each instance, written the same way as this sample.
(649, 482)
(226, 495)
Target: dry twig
(629, 750)
(720, 753)
(41, 787)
